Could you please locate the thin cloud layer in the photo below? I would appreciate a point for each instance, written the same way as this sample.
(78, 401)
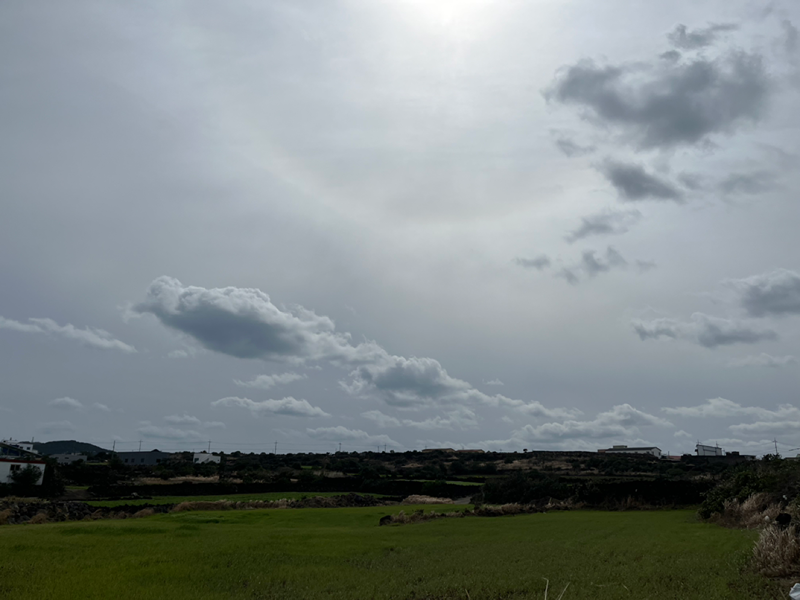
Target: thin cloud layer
(705, 330)
(540, 262)
(664, 104)
(607, 222)
(764, 360)
(289, 407)
(343, 434)
(92, 337)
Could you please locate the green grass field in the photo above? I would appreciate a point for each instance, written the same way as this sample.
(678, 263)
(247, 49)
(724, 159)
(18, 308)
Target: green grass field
(342, 553)
(267, 496)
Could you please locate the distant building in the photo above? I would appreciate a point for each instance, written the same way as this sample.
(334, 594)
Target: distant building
(14, 459)
(144, 459)
(622, 449)
(200, 458)
(703, 450)
(468, 451)
(68, 458)
(438, 450)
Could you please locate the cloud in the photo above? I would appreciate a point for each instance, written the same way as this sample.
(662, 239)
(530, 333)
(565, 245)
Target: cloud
(100, 406)
(265, 382)
(705, 330)
(540, 262)
(571, 149)
(568, 275)
(183, 419)
(423, 383)
(770, 427)
(243, 322)
(67, 403)
(56, 427)
(764, 360)
(178, 354)
(634, 183)
(288, 406)
(592, 265)
(791, 38)
(718, 408)
(94, 338)
(774, 293)
(461, 418)
(622, 422)
(167, 433)
(343, 434)
(668, 103)
(688, 39)
(608, 222)
(755, 182)
(494, 382)
(682, 434)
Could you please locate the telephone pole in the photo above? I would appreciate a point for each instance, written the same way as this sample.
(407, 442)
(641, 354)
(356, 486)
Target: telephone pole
(276, 448)
(209, 446)
(140, 445)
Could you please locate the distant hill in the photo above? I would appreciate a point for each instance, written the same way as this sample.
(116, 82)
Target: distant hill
(67, 447)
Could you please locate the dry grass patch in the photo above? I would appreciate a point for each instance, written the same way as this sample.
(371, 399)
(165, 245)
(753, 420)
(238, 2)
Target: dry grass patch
(777, 552)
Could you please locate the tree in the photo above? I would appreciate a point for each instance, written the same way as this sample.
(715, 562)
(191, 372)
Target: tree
(27, 477)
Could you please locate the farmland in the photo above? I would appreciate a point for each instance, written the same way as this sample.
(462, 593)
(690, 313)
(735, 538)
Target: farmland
(342, 553)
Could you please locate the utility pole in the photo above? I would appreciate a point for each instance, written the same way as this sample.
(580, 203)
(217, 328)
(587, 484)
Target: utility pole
(209, 446)
(113, 445)
(340, 446)
(276, 447)
(140, 445)
(776, 446)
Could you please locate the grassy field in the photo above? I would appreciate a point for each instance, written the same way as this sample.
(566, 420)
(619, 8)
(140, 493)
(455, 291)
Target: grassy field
(267, 496)
(342, 553)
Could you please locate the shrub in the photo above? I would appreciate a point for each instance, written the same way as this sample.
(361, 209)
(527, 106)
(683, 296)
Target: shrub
(777, 552)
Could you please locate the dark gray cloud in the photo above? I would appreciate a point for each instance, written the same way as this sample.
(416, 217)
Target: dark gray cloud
(791, 37)
(704, 330)
(571, 149)
(634, 183)
(608, 222)
(540, 262)
(754, 182)
(691, 39)
(774, 293)
(243, 322)
(666, 104)
(670, 55)
(592, 265)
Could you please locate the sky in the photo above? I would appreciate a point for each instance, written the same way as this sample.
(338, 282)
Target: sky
(400, 224)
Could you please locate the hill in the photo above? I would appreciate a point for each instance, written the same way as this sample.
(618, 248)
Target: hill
(67, 447)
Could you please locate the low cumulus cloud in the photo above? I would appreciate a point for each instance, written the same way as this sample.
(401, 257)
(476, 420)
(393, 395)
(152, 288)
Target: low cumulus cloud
(764, 360)
(571, 148)
(691, 39)
(66, 403)
(183, 419)
(593, 264)
(494, 382)
(289, 407)
(668, 103)
(89, 336)
(244, 323)
(265, 382)
(705, 330)
(352, 436)
(149, 431)
(607, 222)
(634, 183)
(718, 408)
(540, 262)
(776, 293)
(462, 418)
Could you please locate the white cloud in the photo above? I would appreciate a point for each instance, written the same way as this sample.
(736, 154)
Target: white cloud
(495, 382)
(167, 433)
(682, 434)
(100, 406)
(460, 418)
(67, 403)
(721, 407)
(183, 419)
(94, 338)
(265, 382)
(764, 360)
(287, 406)
(343, 434)
(705, 330)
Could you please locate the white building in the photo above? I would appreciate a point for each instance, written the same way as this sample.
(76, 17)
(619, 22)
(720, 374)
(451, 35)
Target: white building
(200, 458)
(703, 450)
(27, 446)
(69, 458)
(652, 450)
(14, 459)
